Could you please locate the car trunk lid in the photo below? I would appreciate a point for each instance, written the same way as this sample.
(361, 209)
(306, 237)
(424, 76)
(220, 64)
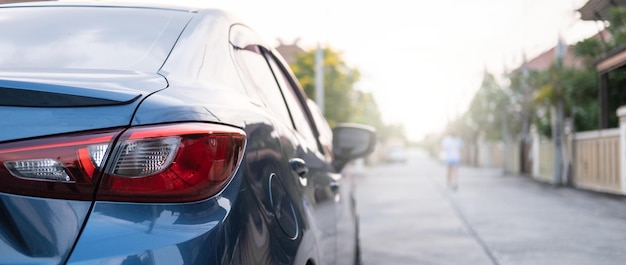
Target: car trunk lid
(36, 104)
(49, 105)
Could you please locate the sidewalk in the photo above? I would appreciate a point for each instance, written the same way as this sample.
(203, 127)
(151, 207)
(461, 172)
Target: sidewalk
(409, 217)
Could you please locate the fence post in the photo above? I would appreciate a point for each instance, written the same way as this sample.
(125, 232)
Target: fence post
(568, 157)
(621, 113)
(536, 151)
(482, 152)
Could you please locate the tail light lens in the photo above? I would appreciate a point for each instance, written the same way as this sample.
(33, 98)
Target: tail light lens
(166, 163)
(172, 163)
(57, 167)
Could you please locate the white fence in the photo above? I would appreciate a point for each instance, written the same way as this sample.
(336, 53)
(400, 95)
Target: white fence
(493, 154)
(594, 159)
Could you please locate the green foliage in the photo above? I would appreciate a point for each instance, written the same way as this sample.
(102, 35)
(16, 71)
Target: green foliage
(339, 80)
(365, 110)
(530, 98)
(593, 47)
(616, 78)
(580, 87)
(589, 49)
(578, 90)
(342, 103)
(616, 95)
(393, 131)
(490, 107)
(535, 97)
(617, 25)
(532, 94)
(581, 98)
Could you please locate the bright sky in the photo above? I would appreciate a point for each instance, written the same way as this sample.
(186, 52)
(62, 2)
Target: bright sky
(422, 59)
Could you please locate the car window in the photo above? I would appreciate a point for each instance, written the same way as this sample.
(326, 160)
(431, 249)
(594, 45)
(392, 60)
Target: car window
(105, 38)
(325, 133)
(297, 108)
(260, 83)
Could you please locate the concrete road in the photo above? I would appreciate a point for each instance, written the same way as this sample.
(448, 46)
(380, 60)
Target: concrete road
(409, 217)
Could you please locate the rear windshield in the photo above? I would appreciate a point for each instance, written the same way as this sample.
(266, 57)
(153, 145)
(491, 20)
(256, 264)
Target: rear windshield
(116, 38)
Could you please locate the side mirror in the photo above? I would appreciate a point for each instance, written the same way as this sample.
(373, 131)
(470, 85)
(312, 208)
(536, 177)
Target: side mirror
(351, 141)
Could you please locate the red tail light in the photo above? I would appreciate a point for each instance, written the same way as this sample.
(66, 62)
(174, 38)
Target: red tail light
(56, 167)
(166, 163)
(172, 163)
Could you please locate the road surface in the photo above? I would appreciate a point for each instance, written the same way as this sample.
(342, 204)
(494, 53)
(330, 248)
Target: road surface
(408, 216)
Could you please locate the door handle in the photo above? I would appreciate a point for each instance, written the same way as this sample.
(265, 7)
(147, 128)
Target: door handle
(299, 166)
(334, 186)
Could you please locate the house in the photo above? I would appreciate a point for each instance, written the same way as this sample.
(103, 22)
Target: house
(594, 160)
(544, 60)
(598, 9)
(289, 51)
(614, 60)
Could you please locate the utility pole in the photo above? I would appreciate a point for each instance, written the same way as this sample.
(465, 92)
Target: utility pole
(557, 115)
(319, 78)
(526, 120)
(505, 129)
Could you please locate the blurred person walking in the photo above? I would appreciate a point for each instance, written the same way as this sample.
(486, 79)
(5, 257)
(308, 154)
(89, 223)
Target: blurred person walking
(451, 146)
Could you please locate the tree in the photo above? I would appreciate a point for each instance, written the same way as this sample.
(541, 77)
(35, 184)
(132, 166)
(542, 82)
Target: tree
(365, 110)
(487, 111)
(487, 116)
(342, 103)
(339, 80)
(579, 91)
(593, 47)
(583, 99)
(565, 92)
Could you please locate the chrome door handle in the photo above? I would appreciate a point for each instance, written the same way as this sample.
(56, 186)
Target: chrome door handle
(334, 186)
(299, 166)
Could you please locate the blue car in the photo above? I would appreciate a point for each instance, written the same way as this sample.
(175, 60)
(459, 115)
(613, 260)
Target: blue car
(164, 135)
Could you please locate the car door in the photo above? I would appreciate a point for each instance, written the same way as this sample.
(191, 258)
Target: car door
(322, 183)
(272, 173)
(311, 185)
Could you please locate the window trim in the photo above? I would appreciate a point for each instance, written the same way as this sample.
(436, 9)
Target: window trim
(297, 90)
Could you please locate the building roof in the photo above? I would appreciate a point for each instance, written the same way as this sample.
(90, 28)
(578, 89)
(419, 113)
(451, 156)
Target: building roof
(289, 51)
(544, 60)
(612, 60)
(598, 9)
